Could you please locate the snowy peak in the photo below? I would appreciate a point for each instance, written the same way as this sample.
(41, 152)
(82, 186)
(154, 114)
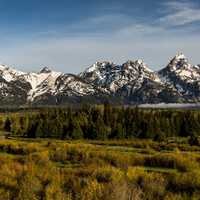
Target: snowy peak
(8, 73)
(180, 61)
(113, 77)
(99, 66)
(45, 70)
(139, 70)
(180, 56)
(138, 65)
(41, 83)
(34, 83)
(98, 72)
(182, 76)
(138, 62)
(179, 66)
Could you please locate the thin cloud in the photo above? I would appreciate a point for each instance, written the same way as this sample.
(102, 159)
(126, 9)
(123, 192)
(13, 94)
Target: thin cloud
(115, 37)
(75, 54)
(180, 13)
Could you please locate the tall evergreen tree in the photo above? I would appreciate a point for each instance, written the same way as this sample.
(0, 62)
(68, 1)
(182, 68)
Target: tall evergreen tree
(7, 125)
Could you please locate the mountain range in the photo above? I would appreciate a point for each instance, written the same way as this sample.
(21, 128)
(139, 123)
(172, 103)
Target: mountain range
(129, 83)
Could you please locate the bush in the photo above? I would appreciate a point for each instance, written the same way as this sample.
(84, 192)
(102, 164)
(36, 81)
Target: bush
(153, 185)
(174, 161)
(159, 137)
(186, 182)
(108, 174)
(193, 140)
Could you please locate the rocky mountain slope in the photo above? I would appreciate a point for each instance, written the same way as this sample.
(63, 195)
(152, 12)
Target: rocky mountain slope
(130, 83)
(184, 77)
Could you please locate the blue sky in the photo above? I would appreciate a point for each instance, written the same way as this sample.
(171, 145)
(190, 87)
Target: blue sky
(70, 35)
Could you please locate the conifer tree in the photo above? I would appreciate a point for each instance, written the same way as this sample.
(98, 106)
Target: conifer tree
(7, 125)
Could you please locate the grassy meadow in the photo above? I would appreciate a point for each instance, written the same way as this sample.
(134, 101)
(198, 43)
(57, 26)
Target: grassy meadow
(136, 169)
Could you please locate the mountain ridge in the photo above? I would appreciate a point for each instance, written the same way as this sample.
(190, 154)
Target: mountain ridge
(132, 82)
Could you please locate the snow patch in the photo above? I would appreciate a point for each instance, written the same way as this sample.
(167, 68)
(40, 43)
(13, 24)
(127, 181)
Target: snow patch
(180, 56)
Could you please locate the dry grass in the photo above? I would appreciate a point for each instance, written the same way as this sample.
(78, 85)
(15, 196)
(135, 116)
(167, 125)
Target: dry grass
(85, 170)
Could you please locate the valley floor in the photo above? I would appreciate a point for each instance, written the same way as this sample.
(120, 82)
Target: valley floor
(92, 170)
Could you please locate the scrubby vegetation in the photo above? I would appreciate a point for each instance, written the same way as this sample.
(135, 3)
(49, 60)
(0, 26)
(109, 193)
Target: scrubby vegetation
(100, 153)
(99, 170)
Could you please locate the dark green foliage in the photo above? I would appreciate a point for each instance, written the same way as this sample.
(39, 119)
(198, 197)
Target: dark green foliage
(7, 125)
(159, 137)
(74, 129)
(193, 140)
(105, 122)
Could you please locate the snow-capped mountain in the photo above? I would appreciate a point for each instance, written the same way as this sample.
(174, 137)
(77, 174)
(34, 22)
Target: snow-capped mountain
(133, 82)
(9, 73)
(46, 86)
(42, 82)
(130, 83)
(113, 77)
(183, 76)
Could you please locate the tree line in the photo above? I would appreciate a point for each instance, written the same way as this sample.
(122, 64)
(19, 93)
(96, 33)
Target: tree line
(102, 122)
